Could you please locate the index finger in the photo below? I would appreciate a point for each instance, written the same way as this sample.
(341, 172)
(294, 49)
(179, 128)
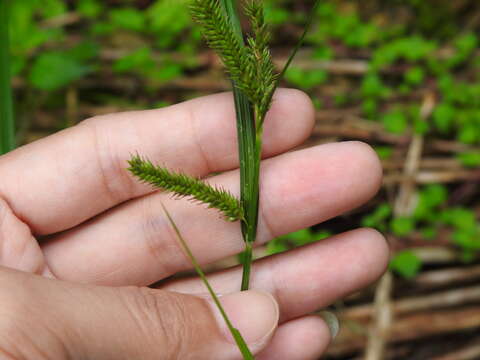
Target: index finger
(61, 181)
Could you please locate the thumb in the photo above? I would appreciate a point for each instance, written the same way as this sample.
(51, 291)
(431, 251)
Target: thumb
(89, 322)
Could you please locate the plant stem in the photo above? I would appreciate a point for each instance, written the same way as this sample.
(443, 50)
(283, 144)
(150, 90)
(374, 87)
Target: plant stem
(7, 126)
(249, 148)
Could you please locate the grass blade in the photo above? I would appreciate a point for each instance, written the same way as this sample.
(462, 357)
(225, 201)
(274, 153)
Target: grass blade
(297, 46)
(242, 346)
(300, 41)
(7, 125)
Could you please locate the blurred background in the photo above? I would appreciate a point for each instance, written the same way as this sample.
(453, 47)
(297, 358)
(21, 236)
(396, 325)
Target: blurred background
(401, 75)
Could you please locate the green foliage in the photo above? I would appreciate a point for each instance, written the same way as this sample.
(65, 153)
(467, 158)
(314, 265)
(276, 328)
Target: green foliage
(167, 20)
(443, 117)
(378, 218)
(347, 27)
(89, 8)
(128, 18)
(384, 152)
(305, 79)
(406, 264)
(295, 239)
(429, 201)
(182, 185)
(395, 121)
(26, 34)
(54, 70)
(429, 216)
(464, 45)
(415, 75)
(138, 59)
(7, 122)
(402, 226)
(413, 48)
(52, 8)
(251, 66)
(466, 230)
(274, 14)
(373, 87)
(470, 159)
(431, 52)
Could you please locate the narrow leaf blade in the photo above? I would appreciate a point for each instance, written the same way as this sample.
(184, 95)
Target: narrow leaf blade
(242, 345)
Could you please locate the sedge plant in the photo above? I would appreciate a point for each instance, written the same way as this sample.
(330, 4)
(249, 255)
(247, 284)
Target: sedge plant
(7, 131)
(249, 63)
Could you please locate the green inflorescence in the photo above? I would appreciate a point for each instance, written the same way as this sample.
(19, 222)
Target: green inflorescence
(182, 185)
(251, 66)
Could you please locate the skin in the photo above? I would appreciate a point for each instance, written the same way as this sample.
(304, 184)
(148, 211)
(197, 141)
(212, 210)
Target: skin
(81, 239)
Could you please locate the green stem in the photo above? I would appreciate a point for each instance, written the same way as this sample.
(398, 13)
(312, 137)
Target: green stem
(249, 154)
(7, 126)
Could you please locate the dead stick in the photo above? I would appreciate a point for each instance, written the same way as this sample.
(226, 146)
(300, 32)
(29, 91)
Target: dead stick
(437, 300)
(415, 326)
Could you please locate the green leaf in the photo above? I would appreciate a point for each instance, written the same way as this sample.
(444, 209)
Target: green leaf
(384, 152)
(128, 19)
(395, 122)
(25, 32)
(469, 134)
(470, 159)
(372, 86)
(85, 50)
(467, 239)
(406, 264)
(443, 116)
(239, 340)
(168, 71)
(305, 79)
(420, 126)
(89, 8)
(277, 246)
(377, 218)
(430, 198)
(415, 75)
(460, 218)
(306, 236)
(140, 59)
(429, 233)
(370, 107)
(168, 19)
(54, 70)
(275, 14)
(52, 8)
(466, 43)
(402, 226)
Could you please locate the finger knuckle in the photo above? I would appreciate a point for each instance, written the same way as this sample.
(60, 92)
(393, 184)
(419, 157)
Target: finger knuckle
(26, 331)
(161, 316)
(15, 315)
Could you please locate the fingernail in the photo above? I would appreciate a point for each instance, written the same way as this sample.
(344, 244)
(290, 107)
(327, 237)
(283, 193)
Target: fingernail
(253, 313)
(332, 322)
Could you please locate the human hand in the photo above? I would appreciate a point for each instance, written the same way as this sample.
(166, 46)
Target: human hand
(80, 238)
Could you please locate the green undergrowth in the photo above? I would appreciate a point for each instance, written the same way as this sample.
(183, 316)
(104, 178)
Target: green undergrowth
(433, 217)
